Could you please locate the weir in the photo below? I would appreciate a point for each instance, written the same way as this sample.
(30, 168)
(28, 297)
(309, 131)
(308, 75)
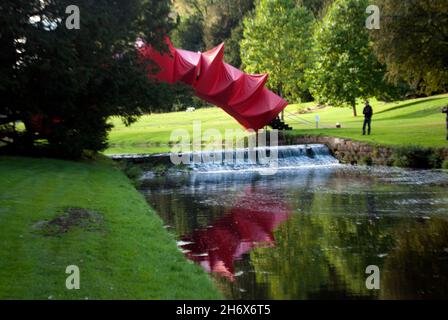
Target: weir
(281, 157)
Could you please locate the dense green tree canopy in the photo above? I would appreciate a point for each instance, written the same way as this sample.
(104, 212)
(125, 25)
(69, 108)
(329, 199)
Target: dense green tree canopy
(62, 83)
(317, 7)
(189, 34)
(413, 42)
(233, 47)
(344, 67)
(215, 22)
(277, 41)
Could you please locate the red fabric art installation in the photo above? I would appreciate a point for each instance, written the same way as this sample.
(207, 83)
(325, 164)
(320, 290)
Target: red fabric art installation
(241, 95)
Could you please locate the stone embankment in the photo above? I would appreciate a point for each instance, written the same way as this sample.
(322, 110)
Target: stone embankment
(349, 151)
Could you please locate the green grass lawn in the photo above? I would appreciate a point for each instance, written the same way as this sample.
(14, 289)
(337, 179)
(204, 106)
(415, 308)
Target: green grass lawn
(126, 255)
(409, 122)
(152, 132)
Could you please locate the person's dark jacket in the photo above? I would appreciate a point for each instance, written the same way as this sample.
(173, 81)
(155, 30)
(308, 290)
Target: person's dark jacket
(368, 112)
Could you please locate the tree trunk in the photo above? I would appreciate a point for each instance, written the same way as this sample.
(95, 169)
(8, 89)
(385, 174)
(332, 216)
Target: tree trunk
(355, 114)
(280, 89)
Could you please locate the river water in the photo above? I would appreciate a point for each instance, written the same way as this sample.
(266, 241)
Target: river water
(310, 230)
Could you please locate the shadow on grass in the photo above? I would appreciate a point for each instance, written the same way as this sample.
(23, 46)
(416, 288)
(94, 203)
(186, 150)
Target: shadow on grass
(409, 104)
(418, 114)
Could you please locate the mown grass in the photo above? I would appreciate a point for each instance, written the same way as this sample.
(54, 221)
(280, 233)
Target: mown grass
(410, 122)
(151, 134)
(128, 256)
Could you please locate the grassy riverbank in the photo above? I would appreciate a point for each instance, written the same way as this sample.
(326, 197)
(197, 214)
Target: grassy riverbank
(401, 123)
(57, 213)
(410, 122)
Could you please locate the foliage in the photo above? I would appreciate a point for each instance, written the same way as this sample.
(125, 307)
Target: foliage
(435, 159)
(367, 160)
(445, 164)
(317, 7)
(412, 42)
(189, 33)
(63, 84)
(222, 17)
(220, 22)
(132, 171)
(413, 157)
(344, 66)
(277, 41)
(232, 49)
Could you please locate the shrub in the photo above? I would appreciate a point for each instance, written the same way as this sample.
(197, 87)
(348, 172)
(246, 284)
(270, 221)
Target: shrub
(435, 160)
(445, 164)
(133, 172)
(367, 160)
(413, 157)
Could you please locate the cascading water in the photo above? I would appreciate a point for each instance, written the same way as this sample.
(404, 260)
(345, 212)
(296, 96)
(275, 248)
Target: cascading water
(282, 157)
(242, 160)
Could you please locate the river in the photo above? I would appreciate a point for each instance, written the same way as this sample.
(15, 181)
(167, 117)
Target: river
(310, 230)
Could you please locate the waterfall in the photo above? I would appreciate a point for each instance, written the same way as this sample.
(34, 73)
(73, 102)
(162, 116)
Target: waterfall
(282, 157)
(242, 160)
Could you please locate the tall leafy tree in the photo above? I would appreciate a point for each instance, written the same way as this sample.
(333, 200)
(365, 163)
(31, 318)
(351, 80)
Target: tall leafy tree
(189, 33)
(344, 67)
(64, 84)
(317, 7)
(222, 17)
(233, 48)
(413, 42)
(189, 7)
(221, 21)
(277, 40)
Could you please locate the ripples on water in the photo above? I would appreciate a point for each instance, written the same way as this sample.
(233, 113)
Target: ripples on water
(310, 233)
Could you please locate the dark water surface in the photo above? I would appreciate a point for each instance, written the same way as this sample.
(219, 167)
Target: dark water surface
(310, 233)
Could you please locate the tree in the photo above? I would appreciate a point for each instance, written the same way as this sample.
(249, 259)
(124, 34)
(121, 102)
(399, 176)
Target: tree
(344, 67)
(233, 48)
(413, 42)
(223, 17)
(277, 40)
(189, 33)
(64, 84)
(220, 22)
(317, 7)
(189, 7)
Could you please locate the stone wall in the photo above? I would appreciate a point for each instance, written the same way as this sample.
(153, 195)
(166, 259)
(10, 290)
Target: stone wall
(349, 151)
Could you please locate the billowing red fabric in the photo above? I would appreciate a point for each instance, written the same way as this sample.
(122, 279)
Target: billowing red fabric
(241, 95)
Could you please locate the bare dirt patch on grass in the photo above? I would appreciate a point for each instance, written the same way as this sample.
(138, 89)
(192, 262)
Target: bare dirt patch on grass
(69, 219)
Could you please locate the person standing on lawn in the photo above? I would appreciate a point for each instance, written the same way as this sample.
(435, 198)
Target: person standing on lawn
(445, 110)
(368, 113)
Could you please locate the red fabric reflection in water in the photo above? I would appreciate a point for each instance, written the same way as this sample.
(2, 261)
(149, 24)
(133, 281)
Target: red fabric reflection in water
(249, 224)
